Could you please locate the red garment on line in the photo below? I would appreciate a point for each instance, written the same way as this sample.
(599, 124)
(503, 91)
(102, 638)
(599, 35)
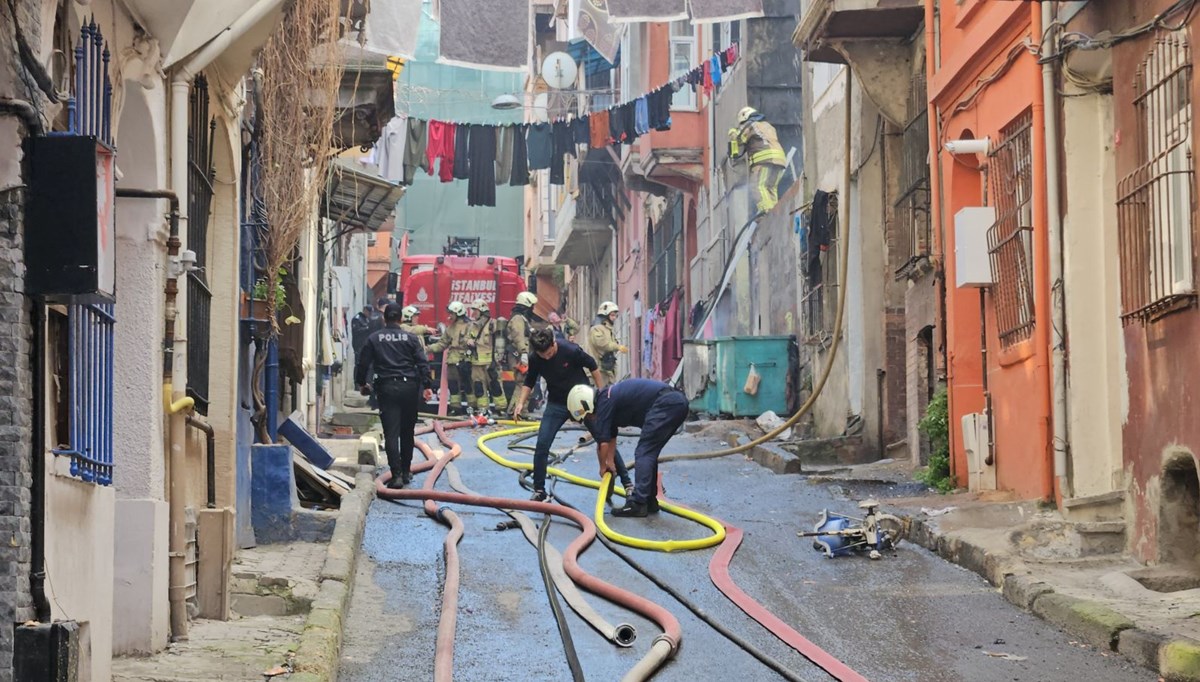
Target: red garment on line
(441, 146)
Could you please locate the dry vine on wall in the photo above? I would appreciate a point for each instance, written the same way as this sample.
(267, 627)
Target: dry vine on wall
(301, 72)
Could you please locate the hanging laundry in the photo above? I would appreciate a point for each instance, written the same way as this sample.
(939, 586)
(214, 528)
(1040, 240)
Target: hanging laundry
(414, 150)
(660, 108)
(599, 126)
(581, 130)
(725, 10)
(628, 124)
(716, 71)
(614, 126)
(596, 27)
(539, 142)
(641, 117)
(647, 10)
(389, 150)
(481, 184)
(707, 83)
(441, 146)
(563, 144)
(492, 35)
(520, 160)
(504, 148)
(462, 155)
(648, 343)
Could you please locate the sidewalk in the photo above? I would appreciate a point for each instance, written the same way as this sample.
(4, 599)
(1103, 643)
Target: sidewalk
(288, 602)
(1057, 570)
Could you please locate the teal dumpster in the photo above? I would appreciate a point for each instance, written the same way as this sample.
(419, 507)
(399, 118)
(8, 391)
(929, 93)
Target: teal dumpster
(769, 356)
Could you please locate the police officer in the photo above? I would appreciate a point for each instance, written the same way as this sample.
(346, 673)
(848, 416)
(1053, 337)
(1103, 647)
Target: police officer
(604, 346)
(401, 379)
(485, 378)
(757, 138)
(360, 329)
(454, 343)
(657, 408)
(517, 334)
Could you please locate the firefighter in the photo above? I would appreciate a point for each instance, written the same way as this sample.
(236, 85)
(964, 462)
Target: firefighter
(517, 334)
(604, 346)
(454, 343)
(756, 138)
(482, 339)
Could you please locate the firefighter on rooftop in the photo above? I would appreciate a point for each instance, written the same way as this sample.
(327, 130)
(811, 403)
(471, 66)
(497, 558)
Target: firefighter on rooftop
(482, 338)
(756, 138)
(454, 343)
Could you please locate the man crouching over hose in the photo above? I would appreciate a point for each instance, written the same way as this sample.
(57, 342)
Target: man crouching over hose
(563, 365)
(401, 377)
(655, 407)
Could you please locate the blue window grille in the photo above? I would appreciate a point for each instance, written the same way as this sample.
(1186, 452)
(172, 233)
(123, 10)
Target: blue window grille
(90, 326)
(90, 389)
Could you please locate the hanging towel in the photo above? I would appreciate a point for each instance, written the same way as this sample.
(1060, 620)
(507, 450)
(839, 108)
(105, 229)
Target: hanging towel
(540, 145)
(581, 130)
(647, 10)
(716, 71)
(462, 155)
(520, 159)
(504, 154)
(709, 11)
(598, 29)
(599, 128)
(707, 83)
(492, 35)
(481, 183)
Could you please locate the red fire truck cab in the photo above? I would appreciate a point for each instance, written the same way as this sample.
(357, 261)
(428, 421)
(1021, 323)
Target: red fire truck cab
(431, 282)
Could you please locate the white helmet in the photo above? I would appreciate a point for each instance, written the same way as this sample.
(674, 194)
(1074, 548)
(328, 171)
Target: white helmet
(482, 306)
(409, 312)
(581, 401)
(457, 309)
(607, 308)
(745, 114)
(527, 299)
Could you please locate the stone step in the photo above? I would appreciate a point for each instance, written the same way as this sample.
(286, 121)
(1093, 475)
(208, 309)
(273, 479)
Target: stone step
(261, 595)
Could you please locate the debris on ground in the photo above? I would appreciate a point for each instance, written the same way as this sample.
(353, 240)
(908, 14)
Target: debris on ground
(769, 421)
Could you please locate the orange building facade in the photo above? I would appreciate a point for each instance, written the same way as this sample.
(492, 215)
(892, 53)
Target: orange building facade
(984, 82)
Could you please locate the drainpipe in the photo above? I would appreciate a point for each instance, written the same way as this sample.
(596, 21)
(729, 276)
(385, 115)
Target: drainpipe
(1058, 329)
(210, 438)
(176, 333)
(1042, 177)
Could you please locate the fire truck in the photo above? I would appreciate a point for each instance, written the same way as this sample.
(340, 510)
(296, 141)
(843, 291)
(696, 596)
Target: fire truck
(431, 282)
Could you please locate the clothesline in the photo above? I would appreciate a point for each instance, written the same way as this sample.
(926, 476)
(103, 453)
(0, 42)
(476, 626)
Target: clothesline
(488, 155)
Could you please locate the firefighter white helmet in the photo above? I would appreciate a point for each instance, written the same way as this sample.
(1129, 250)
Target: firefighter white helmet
(409, 312)
(745, 114)
(581, 401)
(457, 309)
(526, 299)
(482, 306)
(607, 308)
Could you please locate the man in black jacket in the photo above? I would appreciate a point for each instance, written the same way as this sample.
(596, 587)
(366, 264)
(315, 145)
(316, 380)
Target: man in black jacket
(400, 368)
(563, 365)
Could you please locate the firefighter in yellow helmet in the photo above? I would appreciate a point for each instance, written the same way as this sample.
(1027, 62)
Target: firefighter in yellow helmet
(482, 338)
(454, 343)
(603, 341)
(756, 139)
(516, 332)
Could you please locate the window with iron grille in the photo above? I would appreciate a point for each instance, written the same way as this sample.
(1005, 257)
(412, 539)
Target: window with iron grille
(1010, 239)
(201, 128)
(912, 208)
(665, 241)
(1155, 204)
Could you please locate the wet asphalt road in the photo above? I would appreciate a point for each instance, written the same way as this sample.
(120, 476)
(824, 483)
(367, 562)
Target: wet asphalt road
(911, 616)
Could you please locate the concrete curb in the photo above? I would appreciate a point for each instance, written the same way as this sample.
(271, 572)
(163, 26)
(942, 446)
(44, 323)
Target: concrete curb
(768, 455)
(1175, 659)
(321, 641)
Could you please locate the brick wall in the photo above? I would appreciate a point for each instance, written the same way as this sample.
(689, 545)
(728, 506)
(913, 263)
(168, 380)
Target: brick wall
(16, 389)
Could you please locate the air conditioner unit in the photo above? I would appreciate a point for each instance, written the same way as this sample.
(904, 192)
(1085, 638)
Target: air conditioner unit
(976, 436)
(371, 239)
(972, 265)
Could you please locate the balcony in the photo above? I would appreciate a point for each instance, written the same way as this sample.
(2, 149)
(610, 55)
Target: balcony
(584, 226)
(873, 37)
(366, 101)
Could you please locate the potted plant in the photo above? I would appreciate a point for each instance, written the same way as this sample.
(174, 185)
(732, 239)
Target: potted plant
(254, 308)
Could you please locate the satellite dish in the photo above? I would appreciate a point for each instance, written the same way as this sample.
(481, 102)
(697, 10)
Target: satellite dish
(541, 105)
(559, 70)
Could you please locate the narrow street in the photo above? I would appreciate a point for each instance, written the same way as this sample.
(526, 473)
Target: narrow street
(910, 616)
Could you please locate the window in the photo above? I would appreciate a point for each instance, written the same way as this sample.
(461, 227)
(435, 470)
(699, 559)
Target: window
(683, 56)
(1010, 239)
(822, 76)
(1154, 208)
(81, 367)
(664, 255)
(819, 270)
(201, 129)
(912, 208)
(725, 34)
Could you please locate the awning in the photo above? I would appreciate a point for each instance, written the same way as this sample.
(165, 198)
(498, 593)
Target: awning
(592, 61)
(356, 201)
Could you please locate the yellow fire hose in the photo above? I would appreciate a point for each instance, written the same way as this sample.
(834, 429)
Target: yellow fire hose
(718, 530)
